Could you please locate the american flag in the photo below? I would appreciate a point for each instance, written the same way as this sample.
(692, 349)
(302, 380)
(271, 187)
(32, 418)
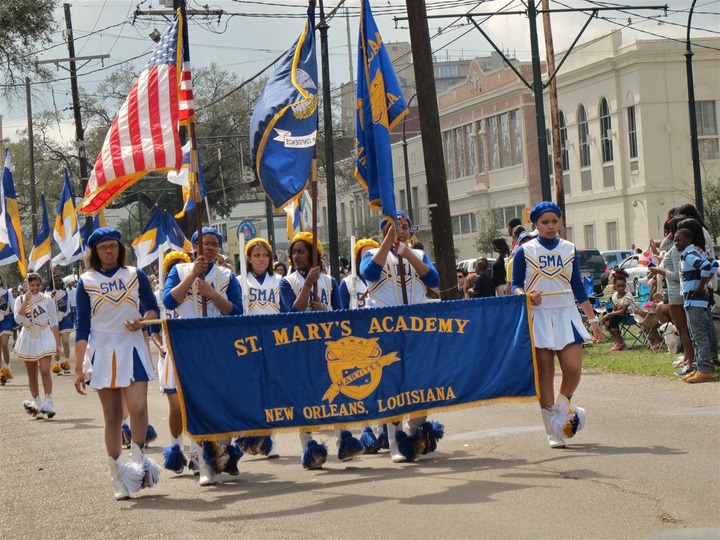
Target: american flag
(187, 107)
(144, 136)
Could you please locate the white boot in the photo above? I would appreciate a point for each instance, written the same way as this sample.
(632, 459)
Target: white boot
(273, 453)
(193, 464)
(304, 439)
(207, 474)
(553, 440)
(47, 406)
(395, 454)
(119, 487)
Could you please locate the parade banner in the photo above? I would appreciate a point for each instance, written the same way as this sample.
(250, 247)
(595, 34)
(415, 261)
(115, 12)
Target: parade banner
(306, 371)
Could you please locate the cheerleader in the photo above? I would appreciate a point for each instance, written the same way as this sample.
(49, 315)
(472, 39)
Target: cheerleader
(547, 269)
(187, 287)
(261, 288)
(353, 288)
(65, 325)
(7, 323)
(111, 355)
(39, 340)
(379, 267)
(174, 458)
(296, 294)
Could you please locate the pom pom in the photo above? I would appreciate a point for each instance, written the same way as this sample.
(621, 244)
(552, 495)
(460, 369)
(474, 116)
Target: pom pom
(214, 456)
(567, 420)
(151, 472)
(314, 455)
(254, 446)
(174, 458)
(432, 432)
(369, 442)
(56, 368)
(132, 475)
(150, 434)
(349, 446)
(383, 440)
(65, 365)
(193, 464)
(407, 445)
(126, 435)
(233, 453)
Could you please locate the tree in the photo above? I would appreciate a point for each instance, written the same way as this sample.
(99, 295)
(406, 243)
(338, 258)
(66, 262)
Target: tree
(711, 205)
(490, 228)
(25, 26)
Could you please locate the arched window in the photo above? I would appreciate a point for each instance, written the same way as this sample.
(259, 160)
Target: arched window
(583, 137)
(606, 131)
(563, 143)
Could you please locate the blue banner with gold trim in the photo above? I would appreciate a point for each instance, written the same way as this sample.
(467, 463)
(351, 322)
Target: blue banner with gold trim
(306, 371)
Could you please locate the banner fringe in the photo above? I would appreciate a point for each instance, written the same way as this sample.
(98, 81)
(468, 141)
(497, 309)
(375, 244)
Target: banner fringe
(346, 425)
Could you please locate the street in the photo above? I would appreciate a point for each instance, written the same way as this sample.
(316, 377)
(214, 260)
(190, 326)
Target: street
(647, 465)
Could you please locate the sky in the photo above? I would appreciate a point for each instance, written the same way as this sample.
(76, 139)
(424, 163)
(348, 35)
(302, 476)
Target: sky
(255, 32)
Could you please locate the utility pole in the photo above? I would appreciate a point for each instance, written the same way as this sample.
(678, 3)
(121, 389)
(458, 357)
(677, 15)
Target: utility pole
(31, 155)
(333, 255)
(79, 132)
(694, 146)
(441, 225)
(554, 115)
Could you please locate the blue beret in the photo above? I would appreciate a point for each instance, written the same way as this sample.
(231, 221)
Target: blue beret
(207, 230)
(103, 234)
(545, 206)
(399, 213)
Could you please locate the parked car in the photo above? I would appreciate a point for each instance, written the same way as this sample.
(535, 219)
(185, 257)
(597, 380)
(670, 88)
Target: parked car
(614, 257)
(467, 264)
(635, 272)
(593, 264)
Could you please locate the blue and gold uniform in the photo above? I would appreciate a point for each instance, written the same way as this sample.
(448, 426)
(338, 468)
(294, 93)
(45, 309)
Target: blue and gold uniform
(115, 356)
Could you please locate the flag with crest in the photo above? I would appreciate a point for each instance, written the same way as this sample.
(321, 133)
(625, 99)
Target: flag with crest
(380, 106)
(283, 126)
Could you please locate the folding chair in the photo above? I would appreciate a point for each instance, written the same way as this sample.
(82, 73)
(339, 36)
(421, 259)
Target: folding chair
(631, 332)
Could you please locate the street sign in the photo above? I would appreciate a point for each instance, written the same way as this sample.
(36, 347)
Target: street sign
(247, 229)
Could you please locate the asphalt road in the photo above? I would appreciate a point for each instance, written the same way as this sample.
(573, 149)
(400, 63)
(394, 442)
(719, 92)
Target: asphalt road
(647, 465)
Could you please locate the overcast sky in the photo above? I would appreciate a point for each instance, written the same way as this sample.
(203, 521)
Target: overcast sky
(259, 30)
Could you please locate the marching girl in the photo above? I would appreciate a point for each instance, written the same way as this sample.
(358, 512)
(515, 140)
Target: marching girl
(547, 269)
(263, 298)
(354, 295)
(353, 288)
(379, 267)
(7, 323)
(111, 355)
(296, 294)
(39, 340)
(65, 325)
(186, 286)
(174, 457)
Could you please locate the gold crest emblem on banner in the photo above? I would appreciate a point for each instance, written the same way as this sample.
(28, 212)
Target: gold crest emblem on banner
(355, 366)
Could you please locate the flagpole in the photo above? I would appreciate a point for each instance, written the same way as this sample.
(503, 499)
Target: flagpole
(313, 194)
(353, 275)
(196, 194)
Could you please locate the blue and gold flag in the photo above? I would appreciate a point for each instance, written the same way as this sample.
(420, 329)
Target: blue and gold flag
(66, 231)
(380, 106)
(11, 241)
(283, 126)
(41, 251)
